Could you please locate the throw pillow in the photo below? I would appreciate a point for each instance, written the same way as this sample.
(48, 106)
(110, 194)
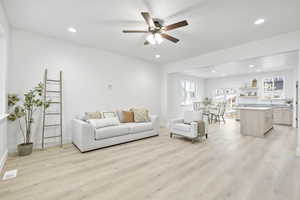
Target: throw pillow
(120, 115)
(104, 122)
(109, 114)
(92, 115)
(140, 115)
(127, 117)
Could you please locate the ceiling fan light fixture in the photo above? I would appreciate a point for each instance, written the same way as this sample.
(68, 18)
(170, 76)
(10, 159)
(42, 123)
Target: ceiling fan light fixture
(155, 38)
(151, 39)
(158, 38)
(157, 29)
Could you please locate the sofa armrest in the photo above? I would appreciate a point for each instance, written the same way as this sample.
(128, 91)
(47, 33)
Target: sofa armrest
(194, 129)
(82, 133)
(155, 122)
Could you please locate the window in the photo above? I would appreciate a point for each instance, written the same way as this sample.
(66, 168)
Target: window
(274, 87)
(188, 89)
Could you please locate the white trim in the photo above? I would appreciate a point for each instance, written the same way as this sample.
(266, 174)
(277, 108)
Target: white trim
(3, 116)
(298, 151)
(3, 160)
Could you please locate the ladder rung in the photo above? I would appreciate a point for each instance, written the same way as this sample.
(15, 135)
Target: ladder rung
(53, 91)
(51, 125)
(52, 113)
(56, 136)
(52, 80)
(54, 102)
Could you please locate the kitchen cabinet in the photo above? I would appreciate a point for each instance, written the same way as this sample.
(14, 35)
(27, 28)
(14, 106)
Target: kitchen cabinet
(256, 121)
(283, 116)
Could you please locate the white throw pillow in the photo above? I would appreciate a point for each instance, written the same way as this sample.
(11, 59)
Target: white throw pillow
(100, 123)
(191, 116)
(109, 114)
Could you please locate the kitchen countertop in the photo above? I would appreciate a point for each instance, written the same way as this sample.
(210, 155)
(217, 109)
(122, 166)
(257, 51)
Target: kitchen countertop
(266, 105)
(254, 108)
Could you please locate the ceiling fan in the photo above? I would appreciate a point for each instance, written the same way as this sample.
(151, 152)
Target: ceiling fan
(157, 30)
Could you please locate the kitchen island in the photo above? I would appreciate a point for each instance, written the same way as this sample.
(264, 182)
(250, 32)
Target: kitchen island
(255, 121)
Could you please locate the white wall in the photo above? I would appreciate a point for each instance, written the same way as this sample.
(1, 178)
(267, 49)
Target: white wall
(175, 109)
(4, 47)
(87, 72)
(237, 82)
(298, 138)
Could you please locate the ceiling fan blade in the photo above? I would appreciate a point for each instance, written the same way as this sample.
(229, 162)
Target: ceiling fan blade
(176, 25)
(134, 31)
(168, 37)
(148, 19)
(146, 42)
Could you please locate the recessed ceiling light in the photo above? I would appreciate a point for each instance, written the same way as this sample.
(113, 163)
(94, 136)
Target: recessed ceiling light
(213, 71)
(72, 30)
(259, 21)
(251, 66)
(157, 56)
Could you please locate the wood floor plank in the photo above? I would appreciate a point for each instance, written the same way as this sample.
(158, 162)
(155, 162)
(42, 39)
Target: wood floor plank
(226, 166)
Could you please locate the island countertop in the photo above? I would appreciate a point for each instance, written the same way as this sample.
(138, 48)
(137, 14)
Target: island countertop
(254, 108)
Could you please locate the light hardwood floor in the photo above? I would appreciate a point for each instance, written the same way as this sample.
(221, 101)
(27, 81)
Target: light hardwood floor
(227, 166)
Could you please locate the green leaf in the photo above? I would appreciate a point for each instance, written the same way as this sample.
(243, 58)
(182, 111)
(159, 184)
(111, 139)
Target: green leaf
(12, 117)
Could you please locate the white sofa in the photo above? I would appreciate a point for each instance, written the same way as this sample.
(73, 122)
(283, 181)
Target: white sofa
(87, 138)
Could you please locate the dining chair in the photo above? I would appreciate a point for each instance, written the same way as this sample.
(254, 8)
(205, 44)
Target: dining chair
(219, 113)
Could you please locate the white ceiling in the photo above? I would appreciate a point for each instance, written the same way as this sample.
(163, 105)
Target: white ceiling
(214, 24)
(278, 62)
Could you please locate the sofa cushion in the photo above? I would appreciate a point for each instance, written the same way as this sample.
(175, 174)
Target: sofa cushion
(182, 127)
(112, 131)
(100, 123)
(191, 116)
(139, 127)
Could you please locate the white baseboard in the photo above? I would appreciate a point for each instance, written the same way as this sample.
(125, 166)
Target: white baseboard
(3, 160)
(298, 151)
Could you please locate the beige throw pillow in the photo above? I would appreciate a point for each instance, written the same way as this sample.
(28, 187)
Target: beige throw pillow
(140, 114)
(93, 115)
(127, 117)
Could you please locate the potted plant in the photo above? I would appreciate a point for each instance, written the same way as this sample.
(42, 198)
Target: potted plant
(23, 111)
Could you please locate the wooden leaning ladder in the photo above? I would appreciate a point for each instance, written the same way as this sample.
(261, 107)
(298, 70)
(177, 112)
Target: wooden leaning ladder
(47, 93)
